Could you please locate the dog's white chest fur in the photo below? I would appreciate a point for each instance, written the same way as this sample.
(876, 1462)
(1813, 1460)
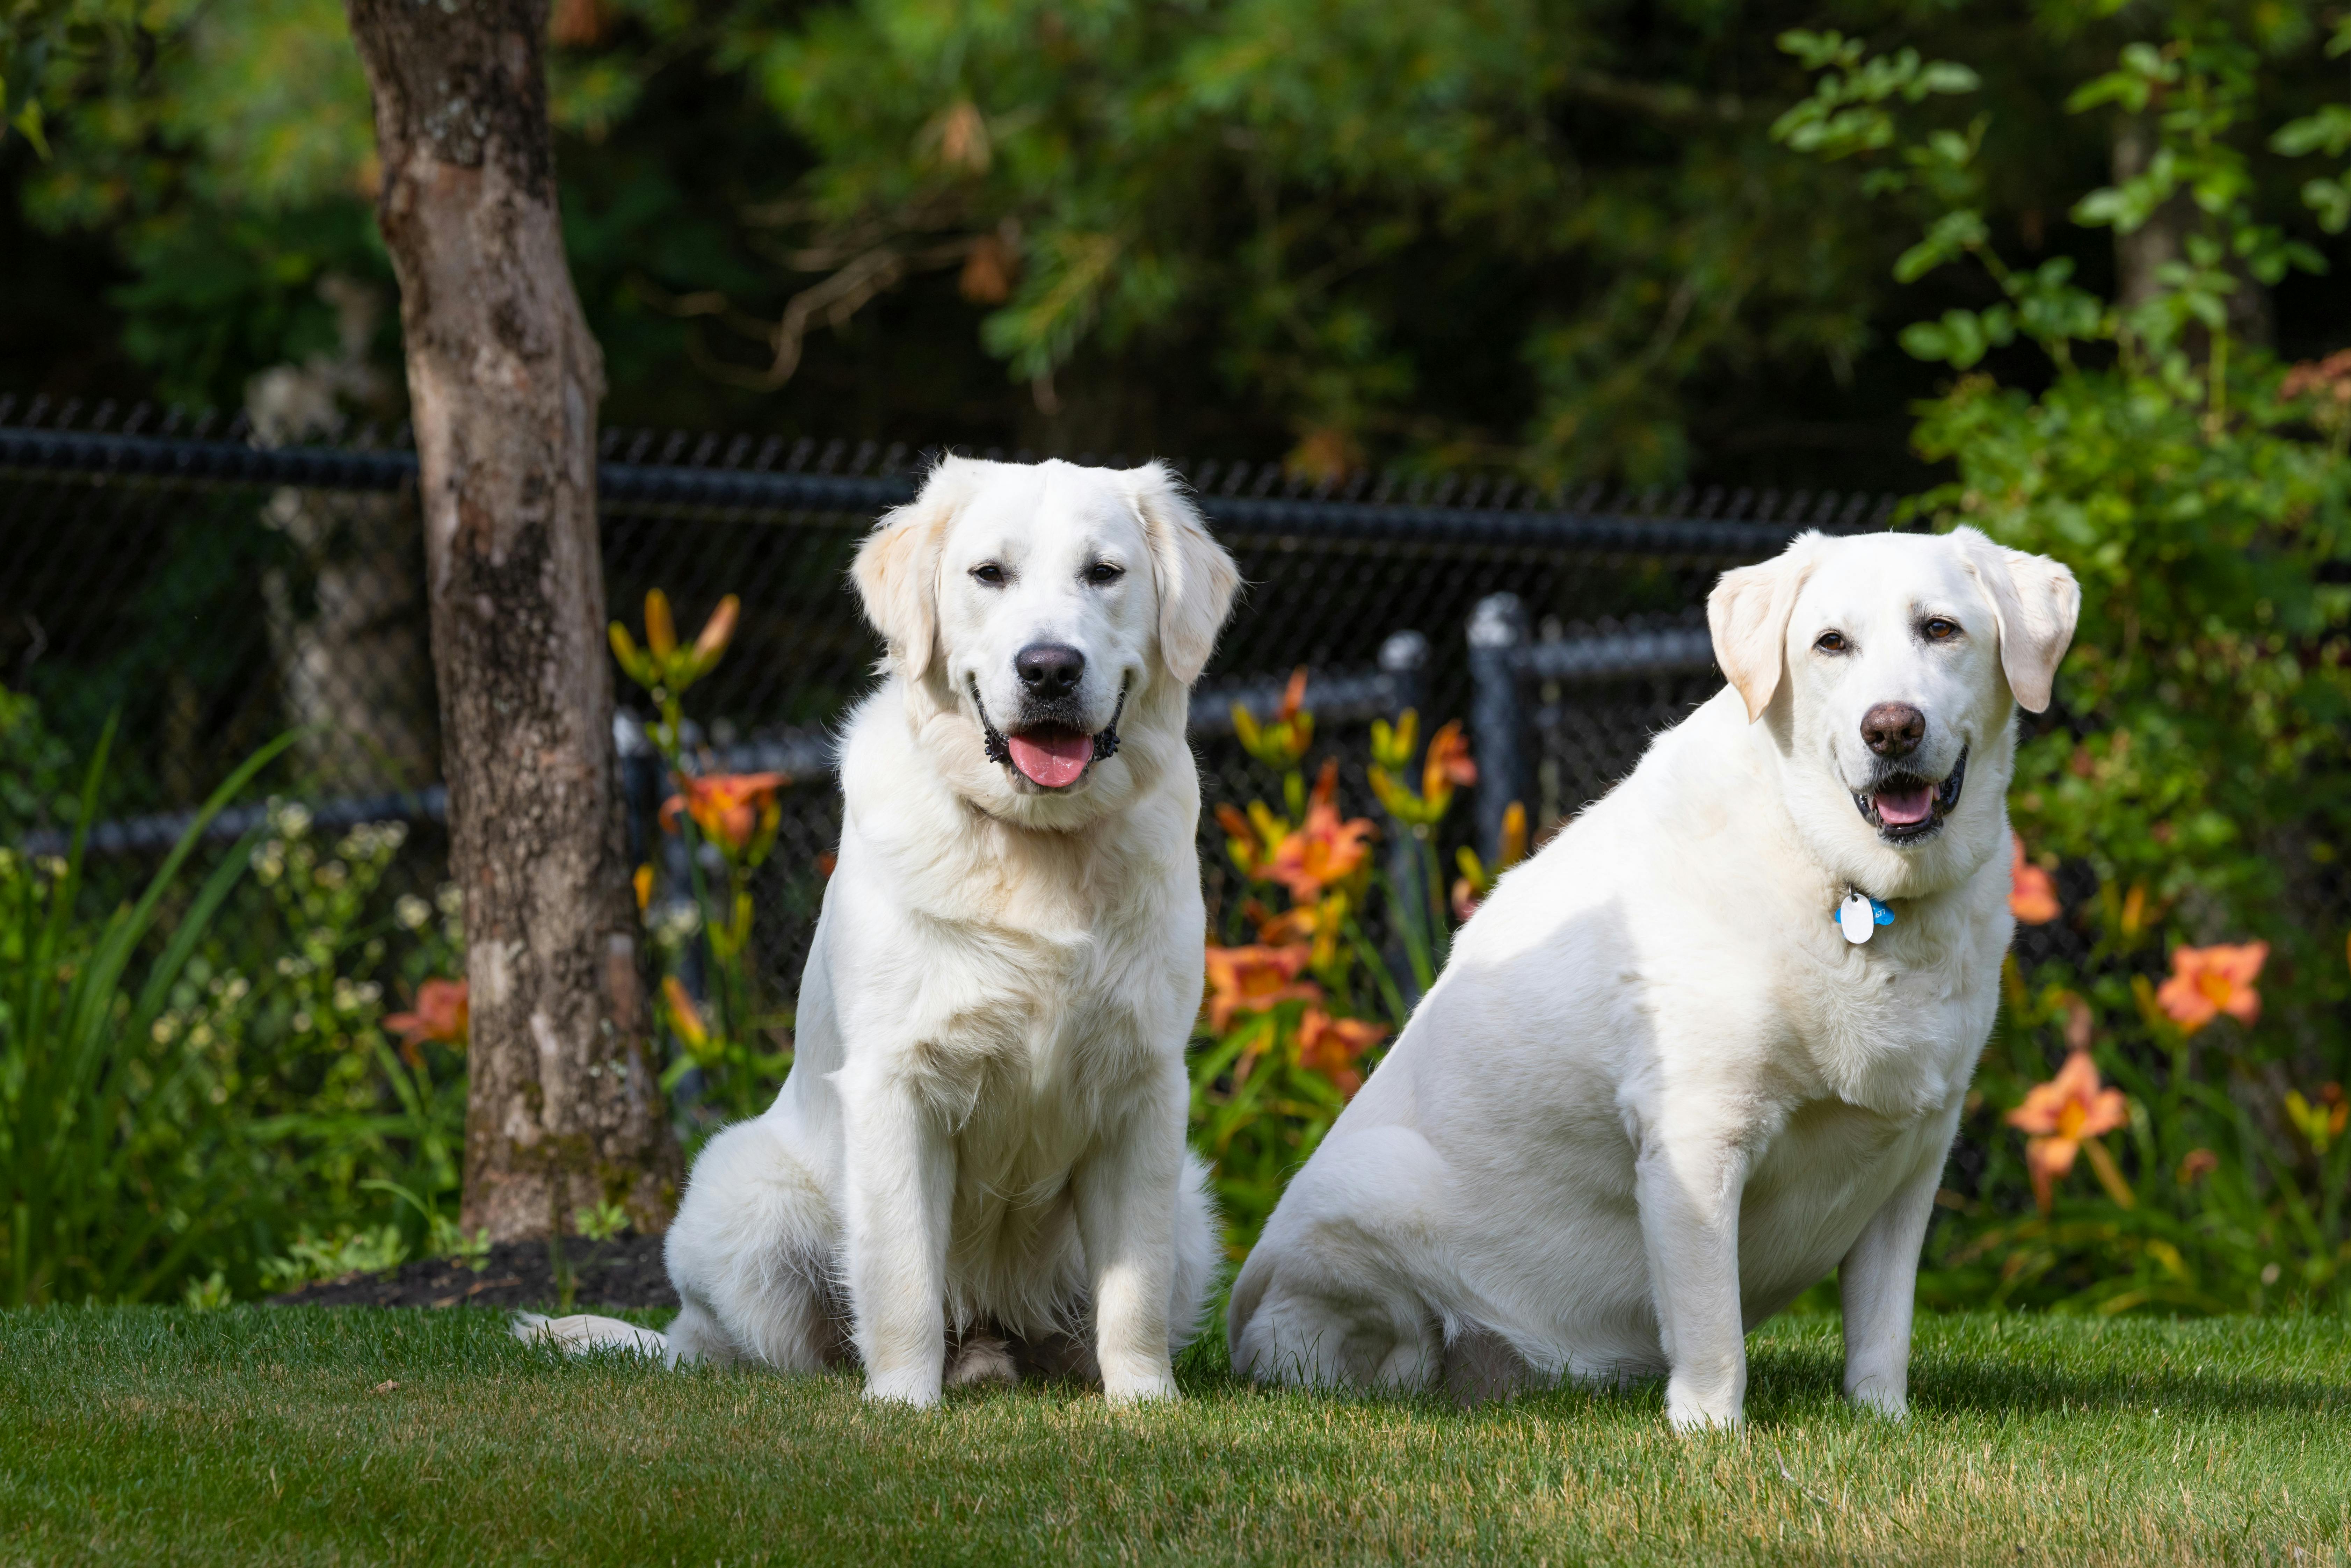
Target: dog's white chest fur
(1894, 1027)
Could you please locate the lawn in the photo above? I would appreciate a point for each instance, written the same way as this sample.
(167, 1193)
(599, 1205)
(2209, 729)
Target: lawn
(318, 1435)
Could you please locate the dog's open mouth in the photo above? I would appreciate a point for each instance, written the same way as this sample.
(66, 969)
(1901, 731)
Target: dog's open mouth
(1049, 756)
(1904, 808)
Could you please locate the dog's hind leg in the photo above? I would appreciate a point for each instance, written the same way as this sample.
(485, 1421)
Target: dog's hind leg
(751, 1253)
(1323, 1300)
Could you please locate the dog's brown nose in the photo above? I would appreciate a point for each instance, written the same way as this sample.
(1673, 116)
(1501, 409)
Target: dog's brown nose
(1893, 730)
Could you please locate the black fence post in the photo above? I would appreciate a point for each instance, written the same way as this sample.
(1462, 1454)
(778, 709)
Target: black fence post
(1498, 640)
(1404, 660)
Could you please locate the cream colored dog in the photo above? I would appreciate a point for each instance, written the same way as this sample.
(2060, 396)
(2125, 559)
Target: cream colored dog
(1661, 1088)
(978, 1163)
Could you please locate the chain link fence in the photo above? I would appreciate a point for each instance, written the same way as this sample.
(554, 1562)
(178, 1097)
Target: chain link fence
(211, 591)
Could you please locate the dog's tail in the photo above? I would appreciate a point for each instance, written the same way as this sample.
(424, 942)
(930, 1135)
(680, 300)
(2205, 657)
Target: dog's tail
(584, 1331)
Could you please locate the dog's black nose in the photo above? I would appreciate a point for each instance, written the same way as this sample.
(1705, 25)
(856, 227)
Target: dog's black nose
(1893, 730)
(1050, 670)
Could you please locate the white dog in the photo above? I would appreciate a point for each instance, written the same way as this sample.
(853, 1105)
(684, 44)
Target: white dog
(1676, 1071)
(979, 1154)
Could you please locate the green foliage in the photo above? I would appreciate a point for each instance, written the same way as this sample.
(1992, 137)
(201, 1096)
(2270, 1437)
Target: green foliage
(337, 1112)
(118, 1165)
(198, 1088)
(1287, 181)
(33, 787)
(42, 41)
(2194, 768)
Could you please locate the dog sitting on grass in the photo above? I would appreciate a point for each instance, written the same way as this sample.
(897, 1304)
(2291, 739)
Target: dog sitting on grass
(977, 1165)
(1713, 1041)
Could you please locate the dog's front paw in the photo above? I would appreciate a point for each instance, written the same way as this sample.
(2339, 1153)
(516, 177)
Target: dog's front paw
(1890, 1400)
(1133, 1386)
(919, 1388)
(1691, 1411)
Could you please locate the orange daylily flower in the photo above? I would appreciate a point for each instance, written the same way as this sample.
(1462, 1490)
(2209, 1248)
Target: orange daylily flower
(1326, 849)
(2208, 981)
(2061, 1114)
(1320, 923)
(728, 808)
(2032, 892)
(2198, 1164)
(641, 882)
(1447, 764)
(441, 1014)
(1251, 980)
(1331, 1047)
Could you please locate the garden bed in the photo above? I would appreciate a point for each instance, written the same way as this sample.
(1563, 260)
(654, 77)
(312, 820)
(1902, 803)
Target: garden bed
(624, 1272)
(293, 1434)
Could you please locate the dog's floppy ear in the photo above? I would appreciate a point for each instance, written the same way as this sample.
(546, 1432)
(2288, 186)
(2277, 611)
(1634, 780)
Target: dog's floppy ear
(1748, 613)
(897, 567)
(2034, 603)
(1195, 578)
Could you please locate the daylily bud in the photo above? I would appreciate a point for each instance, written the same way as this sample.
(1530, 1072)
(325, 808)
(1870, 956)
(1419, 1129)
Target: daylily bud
(660, 632)
(685, 1018)
(633, 665)
(1393, 748)
(716, 632)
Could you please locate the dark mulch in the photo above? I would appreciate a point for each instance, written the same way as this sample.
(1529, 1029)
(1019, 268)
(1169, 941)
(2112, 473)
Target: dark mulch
(626, 1273)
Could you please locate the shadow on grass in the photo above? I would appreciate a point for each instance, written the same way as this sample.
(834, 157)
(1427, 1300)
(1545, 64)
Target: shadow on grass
(1966, 1369)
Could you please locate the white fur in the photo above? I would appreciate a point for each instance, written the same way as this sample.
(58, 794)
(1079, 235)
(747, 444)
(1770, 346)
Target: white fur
(983, 1131)
(1655, 1094)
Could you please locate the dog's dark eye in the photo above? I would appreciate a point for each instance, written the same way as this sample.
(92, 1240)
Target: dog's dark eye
(1830, 643)
(1940, 630)
(989, 572)
(1104, 571)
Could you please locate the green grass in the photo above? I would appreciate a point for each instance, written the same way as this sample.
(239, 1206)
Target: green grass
(269, 1435)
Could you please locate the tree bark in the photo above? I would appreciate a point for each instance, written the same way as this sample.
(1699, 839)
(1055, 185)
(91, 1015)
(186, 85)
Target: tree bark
(564, 1106)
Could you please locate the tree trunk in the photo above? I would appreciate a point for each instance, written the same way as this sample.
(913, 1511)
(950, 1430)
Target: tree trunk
(565, 1107)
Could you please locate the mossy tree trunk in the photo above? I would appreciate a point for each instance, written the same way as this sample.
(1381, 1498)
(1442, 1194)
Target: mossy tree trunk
(504, 380)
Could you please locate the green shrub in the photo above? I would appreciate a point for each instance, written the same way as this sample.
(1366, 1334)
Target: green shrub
(120, 1165)
(2192, 783)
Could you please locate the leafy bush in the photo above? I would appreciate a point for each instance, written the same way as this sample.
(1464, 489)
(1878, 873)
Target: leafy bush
(119, 1167)
(199, 1089)
(2191, 786)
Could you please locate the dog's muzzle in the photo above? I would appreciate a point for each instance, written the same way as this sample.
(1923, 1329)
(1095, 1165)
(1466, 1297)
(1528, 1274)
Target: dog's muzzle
(1905, 807)
(1051, 756)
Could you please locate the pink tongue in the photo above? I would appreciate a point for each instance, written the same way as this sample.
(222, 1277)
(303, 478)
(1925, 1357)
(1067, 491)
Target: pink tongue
(1905, 808)
(1051, 757)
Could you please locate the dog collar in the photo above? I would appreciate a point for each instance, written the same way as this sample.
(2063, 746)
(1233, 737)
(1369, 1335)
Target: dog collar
(1860, 915)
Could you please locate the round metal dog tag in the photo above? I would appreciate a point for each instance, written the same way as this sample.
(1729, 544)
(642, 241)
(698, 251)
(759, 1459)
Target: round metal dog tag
(1856, 919)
